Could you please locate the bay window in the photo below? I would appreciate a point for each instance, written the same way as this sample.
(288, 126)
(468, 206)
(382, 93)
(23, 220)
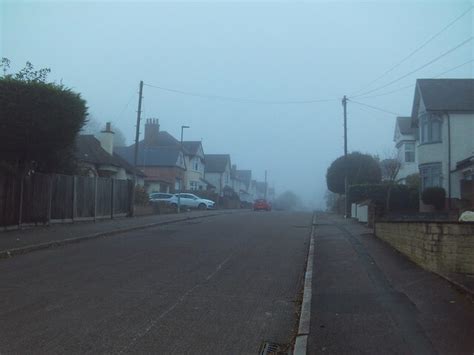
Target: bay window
(430, 128)
(431, 175)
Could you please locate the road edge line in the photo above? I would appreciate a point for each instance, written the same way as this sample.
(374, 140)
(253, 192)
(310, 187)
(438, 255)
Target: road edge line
(8, 253)
(301, 343)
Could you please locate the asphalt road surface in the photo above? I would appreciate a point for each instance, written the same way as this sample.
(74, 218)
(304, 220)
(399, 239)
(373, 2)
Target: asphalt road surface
(221, 285)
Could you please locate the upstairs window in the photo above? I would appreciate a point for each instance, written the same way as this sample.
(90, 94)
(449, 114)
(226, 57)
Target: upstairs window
(409, 152)
(430, 128)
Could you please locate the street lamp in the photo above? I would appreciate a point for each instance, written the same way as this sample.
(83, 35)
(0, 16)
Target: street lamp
(181, 181)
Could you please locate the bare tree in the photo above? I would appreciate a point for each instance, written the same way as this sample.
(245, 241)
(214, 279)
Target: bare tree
(390, 167)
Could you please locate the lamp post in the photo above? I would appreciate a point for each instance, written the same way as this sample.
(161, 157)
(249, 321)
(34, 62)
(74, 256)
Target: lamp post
(182, 180)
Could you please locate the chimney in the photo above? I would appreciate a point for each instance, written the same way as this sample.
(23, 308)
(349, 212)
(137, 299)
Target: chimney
(152, 129)
(106, 139)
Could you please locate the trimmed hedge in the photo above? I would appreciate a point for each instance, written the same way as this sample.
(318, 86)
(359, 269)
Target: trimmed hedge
(435, 196)
(38, 125)
(402, 197)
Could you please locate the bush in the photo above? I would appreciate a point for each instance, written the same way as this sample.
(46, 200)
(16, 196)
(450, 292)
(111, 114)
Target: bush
(361, 169)
(435, 196)
(141, 196)
(402, 197)
(38, 125)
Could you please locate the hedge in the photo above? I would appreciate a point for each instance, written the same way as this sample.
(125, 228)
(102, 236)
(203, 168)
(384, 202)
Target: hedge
(402, 197)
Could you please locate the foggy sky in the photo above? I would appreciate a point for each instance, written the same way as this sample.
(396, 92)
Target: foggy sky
(265, 51)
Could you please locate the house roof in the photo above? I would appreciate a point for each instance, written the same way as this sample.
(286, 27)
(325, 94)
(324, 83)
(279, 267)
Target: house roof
(216, 163)
(89, 150)
(163, 138)
(192, 147)
(404, 125)
(151, 156)
(444, 95)
(244, 175)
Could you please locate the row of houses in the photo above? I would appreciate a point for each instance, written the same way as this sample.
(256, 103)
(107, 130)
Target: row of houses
(437, 140)
(165, 164)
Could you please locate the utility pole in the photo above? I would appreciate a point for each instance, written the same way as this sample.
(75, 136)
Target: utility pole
(346, 170)
(137, 136)
(181, 181)
(266, 186)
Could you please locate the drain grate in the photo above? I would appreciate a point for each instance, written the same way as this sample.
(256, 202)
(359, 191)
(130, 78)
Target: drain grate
(269, 348)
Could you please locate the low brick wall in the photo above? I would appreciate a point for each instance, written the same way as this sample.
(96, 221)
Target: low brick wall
(437, 246)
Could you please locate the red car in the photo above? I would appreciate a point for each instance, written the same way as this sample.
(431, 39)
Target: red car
(262, 204)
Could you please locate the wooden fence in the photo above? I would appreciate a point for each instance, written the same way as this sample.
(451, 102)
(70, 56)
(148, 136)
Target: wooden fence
(42, 198)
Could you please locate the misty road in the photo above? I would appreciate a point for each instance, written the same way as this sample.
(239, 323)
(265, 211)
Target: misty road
(216, 286)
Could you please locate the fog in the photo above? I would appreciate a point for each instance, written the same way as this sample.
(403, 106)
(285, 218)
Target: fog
(256, 71)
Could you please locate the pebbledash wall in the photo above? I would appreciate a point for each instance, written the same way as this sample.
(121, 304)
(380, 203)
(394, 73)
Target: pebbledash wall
(437, 246)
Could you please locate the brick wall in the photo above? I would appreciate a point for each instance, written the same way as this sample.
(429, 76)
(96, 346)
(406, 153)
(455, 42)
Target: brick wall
(437, 246)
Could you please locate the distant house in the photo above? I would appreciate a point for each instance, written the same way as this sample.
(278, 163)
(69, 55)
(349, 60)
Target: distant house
(160, 157)
(195, 163)
(405, 141)
(96, 158)
(245, 177)
(443, 116)
(261, 188)
(218, 171)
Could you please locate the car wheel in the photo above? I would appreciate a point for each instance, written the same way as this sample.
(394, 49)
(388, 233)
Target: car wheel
(174, 206)
(202, 206)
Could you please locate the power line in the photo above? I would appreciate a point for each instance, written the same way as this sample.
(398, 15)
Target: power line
(240, 99)
(419, 68)
(376, 108)
(416, 50)
(413, 85)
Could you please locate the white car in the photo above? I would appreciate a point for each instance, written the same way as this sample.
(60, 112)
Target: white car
(192, 201)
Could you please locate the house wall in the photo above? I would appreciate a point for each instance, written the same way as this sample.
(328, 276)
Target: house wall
(437, 246)
(192, 174)
(462, 146)
(215, 179)
(169, 174)
(406, 168)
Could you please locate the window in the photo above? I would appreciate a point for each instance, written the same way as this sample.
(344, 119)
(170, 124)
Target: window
(431, 175)
(194, 185)
(430, 128)
(196, 164)
(409, 152)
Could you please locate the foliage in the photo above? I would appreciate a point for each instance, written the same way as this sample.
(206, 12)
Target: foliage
(334, 202)
(402, 197)
(39, 122)
(27, 74)
(94, 127)
(435, 196)
(288, 200)
(141, 196)
(361, 169)
(413, 180)
(390, 168)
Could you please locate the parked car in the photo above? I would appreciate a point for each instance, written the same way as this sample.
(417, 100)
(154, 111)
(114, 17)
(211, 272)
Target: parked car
(161, 197)
(262, 205)
(192, 201)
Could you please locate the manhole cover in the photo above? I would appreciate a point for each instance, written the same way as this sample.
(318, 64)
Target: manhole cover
(269, 348)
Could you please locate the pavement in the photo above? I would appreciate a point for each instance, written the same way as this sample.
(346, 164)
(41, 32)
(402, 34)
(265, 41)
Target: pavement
(369, 299)
(219, 285)
(30, 239)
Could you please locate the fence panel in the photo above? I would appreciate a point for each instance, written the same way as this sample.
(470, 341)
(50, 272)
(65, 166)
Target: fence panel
(9, 200)
(122, 191)
(104, 197)
(85, 196)
(36, 198)
(62, 197)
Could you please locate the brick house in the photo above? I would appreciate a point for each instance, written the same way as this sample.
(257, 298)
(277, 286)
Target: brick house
(160, 157)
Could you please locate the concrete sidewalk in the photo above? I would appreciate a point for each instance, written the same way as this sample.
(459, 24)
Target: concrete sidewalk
(369, 299)
(26, 240)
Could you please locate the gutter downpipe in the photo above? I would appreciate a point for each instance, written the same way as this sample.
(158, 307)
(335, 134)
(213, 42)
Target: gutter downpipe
(449, 161)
